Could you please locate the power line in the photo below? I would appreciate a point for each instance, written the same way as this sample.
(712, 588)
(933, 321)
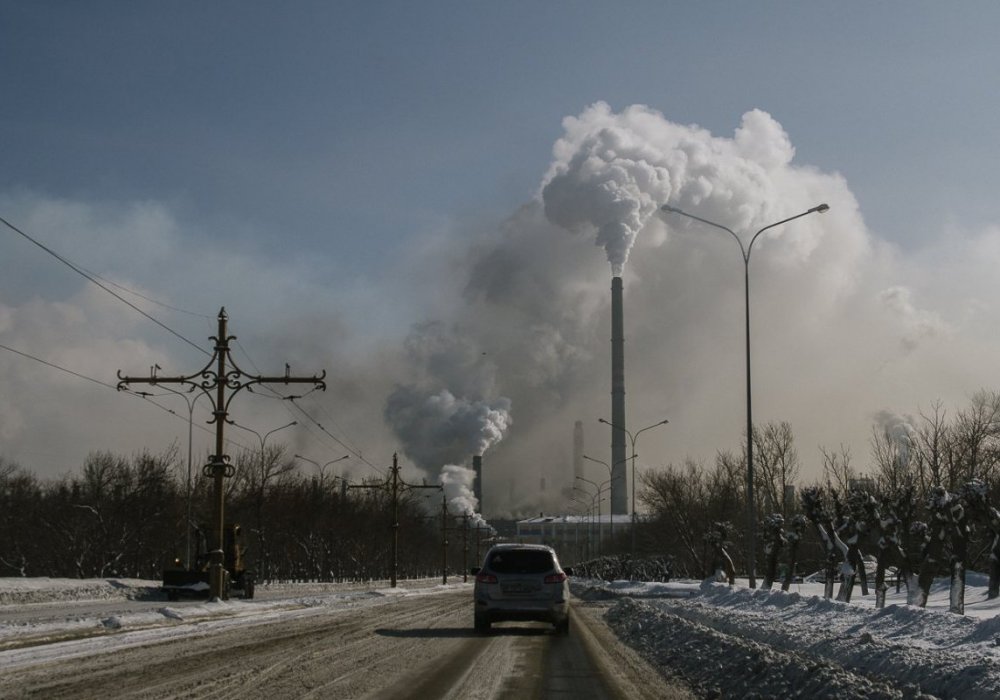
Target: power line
(93, 279)
(145, 298)
(292, 398)
(61, 369)
(139, 394)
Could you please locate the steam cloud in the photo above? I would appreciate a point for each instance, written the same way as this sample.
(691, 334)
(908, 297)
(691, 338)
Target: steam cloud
(520, 316)
(457, 482)
(438, 429)
(611, 171)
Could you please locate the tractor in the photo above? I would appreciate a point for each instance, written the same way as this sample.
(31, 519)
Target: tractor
(194, 581)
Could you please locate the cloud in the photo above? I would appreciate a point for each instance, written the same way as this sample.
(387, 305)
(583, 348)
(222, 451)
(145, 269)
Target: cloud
(481, 332)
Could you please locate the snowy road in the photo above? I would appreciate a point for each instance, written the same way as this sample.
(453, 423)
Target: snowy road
(112, 638)
(405, 646)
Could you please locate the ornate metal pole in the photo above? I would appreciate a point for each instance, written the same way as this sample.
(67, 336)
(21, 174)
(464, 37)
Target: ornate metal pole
(219, 467)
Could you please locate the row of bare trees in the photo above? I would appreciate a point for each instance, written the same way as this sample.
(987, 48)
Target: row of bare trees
(925, 456)
(127, 517)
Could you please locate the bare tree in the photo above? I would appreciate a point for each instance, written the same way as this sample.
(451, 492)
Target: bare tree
(837, 469)
(776, 465)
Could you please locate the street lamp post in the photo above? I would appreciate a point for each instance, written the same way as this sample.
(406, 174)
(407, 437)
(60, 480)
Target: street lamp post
(322, 468)
(190, 404)
(633, 438)
(611, 480)
(590, 523)
(263, 438)
(600, 490)
(746, 251)
(259, 506)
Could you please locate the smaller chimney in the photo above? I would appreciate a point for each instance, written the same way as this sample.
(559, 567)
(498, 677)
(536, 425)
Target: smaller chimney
(578, 449)
(477, 482)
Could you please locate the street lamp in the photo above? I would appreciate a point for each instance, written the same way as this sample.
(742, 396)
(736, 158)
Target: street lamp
(746, 250)
(633, 438)
(263, 438)
(259, 498)
(322, 468)
(190, 404)
(590, 522)
(601, 462)
(611, 480)
(600, 489)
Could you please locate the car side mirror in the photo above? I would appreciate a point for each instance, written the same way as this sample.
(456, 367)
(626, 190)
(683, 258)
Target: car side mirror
(474, 570)
(568, 571)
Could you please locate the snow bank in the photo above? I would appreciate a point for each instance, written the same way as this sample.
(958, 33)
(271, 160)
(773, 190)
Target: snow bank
(738, 642)
(23, 591)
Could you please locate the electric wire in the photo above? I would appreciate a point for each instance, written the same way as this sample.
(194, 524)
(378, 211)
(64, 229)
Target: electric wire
(61, 369)
(145, 396)
(97, 280)
(93, 279)
(355, 452)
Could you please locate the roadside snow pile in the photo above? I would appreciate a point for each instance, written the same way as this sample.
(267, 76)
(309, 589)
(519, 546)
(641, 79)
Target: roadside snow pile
(23, 591)
(738, 642)
(43, 620)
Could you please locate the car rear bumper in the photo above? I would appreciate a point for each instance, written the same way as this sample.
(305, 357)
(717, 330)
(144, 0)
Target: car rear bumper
(524, 611)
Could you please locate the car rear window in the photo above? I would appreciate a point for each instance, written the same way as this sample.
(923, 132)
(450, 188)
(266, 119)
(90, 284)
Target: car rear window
(521, 561)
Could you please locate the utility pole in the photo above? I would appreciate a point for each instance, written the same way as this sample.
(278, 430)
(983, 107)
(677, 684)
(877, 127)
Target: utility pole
(444, 539)
(465, 548)
(465, 542)
(394, 484)
(218, 380)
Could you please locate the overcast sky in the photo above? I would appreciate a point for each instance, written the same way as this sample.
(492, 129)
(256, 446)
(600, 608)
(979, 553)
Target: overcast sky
(363, 187)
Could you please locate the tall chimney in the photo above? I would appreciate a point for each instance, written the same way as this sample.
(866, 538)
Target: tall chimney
(578, 449)
(619, 491)
(477, 482)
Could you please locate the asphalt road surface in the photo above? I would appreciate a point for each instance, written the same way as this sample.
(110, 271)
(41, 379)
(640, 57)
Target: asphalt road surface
(409, 647)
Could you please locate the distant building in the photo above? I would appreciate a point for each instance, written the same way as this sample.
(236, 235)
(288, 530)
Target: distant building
(574, 537)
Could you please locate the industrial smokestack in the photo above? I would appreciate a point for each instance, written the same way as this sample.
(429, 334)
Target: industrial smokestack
(619, 492)
(578, 449)
(477, 482)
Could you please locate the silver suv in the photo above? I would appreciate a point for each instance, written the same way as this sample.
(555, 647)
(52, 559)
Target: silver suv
(521, 582)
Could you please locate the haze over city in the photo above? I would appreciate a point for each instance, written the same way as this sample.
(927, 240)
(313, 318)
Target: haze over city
(428, 203)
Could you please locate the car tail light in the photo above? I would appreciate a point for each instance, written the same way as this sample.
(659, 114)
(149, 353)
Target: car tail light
(556, 578)
(485, 578)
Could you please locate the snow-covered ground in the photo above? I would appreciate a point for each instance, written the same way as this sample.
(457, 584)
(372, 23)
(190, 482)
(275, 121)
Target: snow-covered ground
(101, 615)
(725, 642)
(738, 642)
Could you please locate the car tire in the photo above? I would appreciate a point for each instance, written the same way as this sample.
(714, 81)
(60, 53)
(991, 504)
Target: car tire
(482, 624)
(562, 627)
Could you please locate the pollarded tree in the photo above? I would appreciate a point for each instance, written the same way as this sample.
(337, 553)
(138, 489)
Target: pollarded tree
(936, 537)
(976, 495)
(793, 536)
(720, 565)
(819, 514)
(774, 541)
(887, 524)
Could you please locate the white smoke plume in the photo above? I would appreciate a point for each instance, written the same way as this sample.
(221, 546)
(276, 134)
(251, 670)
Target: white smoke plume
(607, 178)
(517, 315)
(611, 172)
(900, 430)
(439, 428)
(457, 482)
